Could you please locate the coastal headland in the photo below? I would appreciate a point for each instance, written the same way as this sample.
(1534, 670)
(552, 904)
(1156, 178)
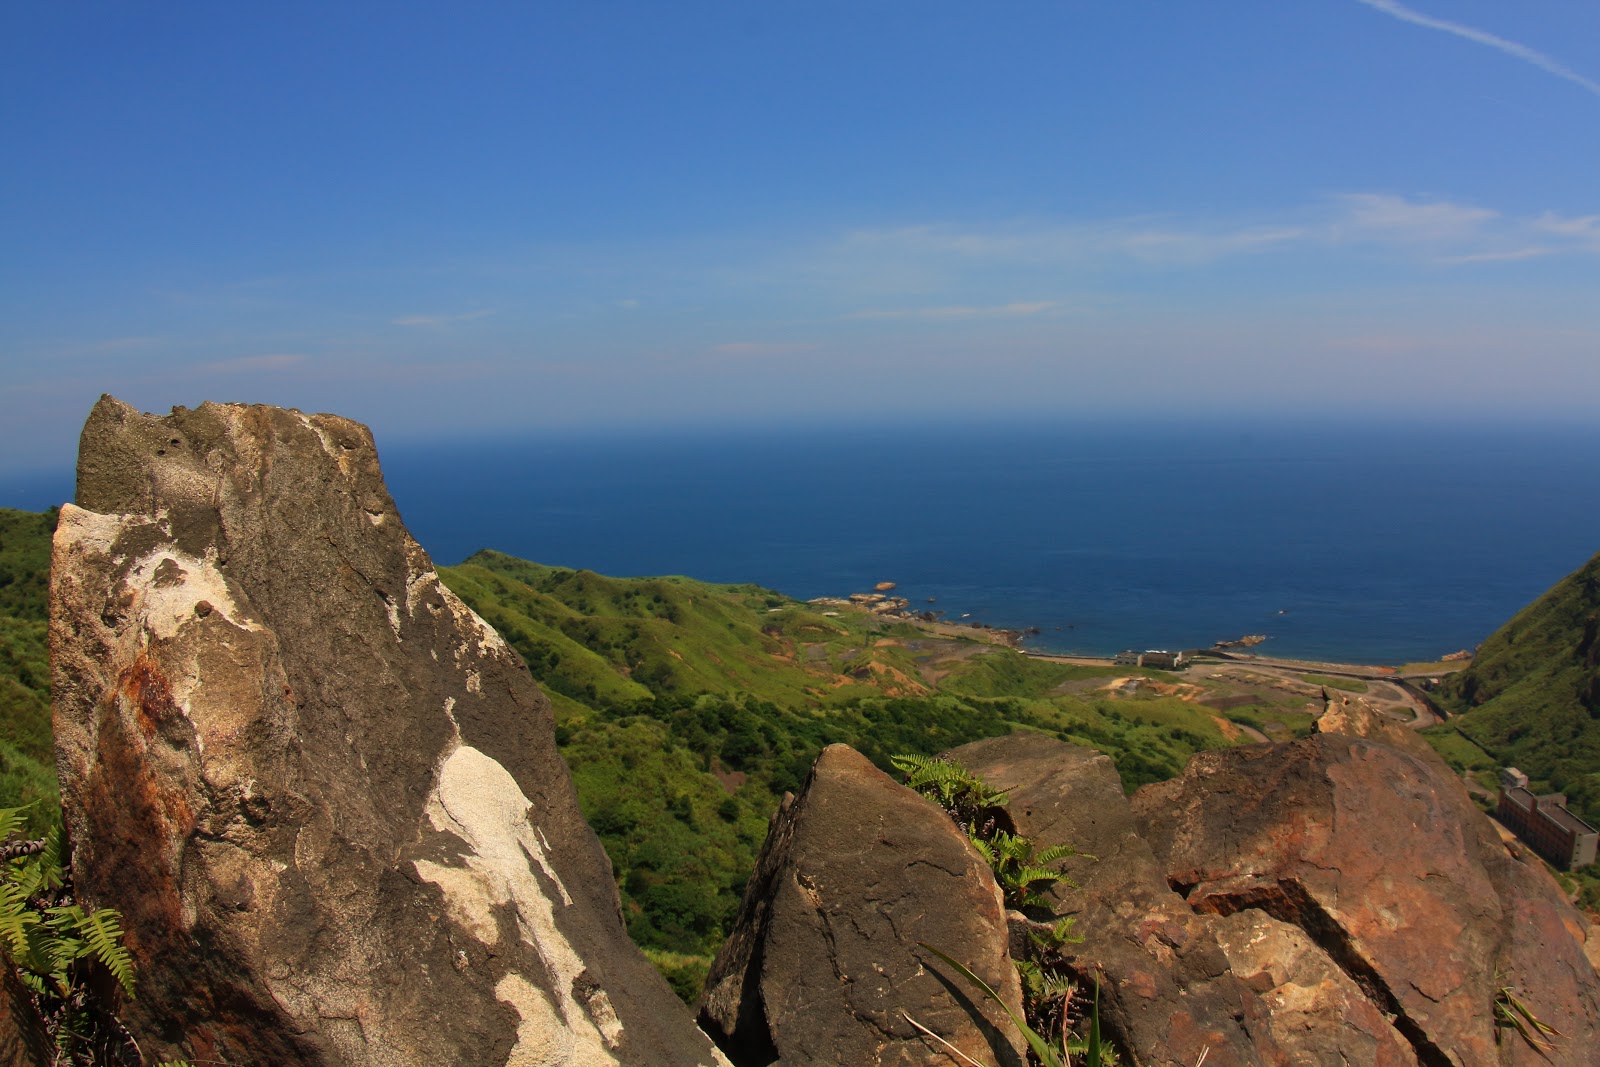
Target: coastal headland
(1221, 678)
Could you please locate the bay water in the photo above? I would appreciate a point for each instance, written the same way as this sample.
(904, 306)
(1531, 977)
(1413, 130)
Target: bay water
(1342, 541)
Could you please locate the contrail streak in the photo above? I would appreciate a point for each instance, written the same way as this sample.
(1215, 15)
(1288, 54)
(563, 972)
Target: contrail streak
(1500, 44)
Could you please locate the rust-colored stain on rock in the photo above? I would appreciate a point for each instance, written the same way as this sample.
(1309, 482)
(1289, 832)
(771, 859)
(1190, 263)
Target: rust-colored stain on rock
(143, 819)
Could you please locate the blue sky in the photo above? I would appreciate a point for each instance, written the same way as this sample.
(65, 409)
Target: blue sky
(463, 219)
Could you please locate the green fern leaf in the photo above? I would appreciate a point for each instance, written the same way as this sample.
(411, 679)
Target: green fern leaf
(52, 861)
(102, 930)
(984, 849)
(1056, 853)
(15, 919)
(11, 821)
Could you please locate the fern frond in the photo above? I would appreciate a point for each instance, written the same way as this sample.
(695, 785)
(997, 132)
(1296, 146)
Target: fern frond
(11, 820)
(53, 860)
(1062, 933)
(15, 919)
(102, 933)
(984, 849)
(1057, 853)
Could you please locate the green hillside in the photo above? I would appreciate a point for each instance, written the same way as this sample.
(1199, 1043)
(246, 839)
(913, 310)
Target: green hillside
(686, 709)
(1531, 698)
(27, 764)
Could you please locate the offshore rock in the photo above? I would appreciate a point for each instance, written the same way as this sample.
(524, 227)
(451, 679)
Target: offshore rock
(1378, 856)
(323, 793)
(823, 965)
(1167, 993)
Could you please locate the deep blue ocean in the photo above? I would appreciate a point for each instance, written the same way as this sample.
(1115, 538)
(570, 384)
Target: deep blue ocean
(1348, 542)
(1340, 540)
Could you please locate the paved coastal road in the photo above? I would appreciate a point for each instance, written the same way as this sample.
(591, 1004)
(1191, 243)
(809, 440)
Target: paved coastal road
(1389, 692)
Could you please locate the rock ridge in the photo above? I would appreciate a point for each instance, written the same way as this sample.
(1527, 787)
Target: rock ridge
(323, 792)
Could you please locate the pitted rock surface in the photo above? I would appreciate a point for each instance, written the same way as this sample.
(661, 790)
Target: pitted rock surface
(1316, 1013)
(1167, 992)
(1379, 856)
(323, 793)
(823, 965)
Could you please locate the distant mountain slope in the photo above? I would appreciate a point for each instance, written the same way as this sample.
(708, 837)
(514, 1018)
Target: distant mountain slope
(1531, 697)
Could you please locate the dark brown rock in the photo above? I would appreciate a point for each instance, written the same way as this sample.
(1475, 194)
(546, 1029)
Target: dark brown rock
(1167, 993)
(1378, 855)
(23, 1042)
(323, 793)
(823, 964)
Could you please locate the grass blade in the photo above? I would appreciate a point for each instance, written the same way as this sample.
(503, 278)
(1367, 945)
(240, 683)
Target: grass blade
(1041, 1048)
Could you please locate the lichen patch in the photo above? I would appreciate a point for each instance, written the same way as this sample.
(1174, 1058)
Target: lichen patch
(477, 800)
(170, 585)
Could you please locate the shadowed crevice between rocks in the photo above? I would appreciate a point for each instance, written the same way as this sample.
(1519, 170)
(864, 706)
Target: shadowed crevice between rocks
(1287, 901)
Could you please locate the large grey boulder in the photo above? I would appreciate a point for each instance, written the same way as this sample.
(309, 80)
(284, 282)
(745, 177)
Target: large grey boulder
(823, 965)
(323, 793)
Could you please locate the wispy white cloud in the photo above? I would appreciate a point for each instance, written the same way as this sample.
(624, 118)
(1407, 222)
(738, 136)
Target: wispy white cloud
(275, 361)
(962, 311)
(1140, 239)
(440, 320)
(1584, 230)
(938, 264)
(760, 348)
(1510, 255)
(1387, 215)
(1501, 44)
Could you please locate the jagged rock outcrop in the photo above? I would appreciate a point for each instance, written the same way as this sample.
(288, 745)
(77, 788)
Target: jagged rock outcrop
(1378, 856)
(1167, 990)
(1315, 1012)
(1332, 900)
(323, 793)
(823, 962)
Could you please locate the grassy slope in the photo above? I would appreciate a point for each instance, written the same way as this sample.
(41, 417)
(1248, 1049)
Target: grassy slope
(27, 764)
(686, 709)
(1531, 697)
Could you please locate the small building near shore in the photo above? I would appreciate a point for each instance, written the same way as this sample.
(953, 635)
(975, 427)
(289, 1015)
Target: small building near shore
(1545, 823)
(1158, 658)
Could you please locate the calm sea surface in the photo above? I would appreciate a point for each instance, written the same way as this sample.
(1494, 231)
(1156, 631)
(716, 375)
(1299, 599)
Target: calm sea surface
(1358, 543)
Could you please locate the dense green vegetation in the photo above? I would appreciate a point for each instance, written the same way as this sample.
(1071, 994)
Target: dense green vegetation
(685, 710)
(27, 764)
(1531, 697)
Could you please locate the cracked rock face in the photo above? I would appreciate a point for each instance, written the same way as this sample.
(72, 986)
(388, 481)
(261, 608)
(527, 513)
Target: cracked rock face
(323, 793)
(823, 965)
(1337, 899)
(1167, 991)
(1376, 854)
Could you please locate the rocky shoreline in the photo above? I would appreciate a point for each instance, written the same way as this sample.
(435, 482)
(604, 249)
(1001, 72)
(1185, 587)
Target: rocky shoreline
(898, 608)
